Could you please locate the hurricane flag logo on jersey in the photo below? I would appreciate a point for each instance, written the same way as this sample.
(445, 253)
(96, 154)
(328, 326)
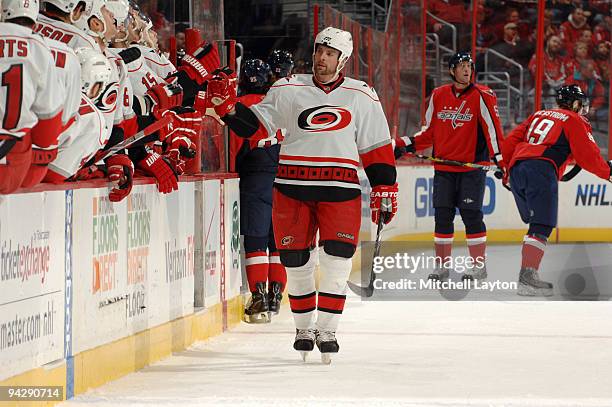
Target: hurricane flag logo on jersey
(324, 118)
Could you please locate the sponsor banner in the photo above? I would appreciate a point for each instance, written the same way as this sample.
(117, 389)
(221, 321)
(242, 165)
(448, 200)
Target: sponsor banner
(32, 254)
(415, 212)
(133, 262)
(585, 202)
(233, 273)
(212, 241)
(99, 269)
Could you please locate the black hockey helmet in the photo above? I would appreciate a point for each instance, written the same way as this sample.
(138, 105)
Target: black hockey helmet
(254, 76)
(456, 59)
(567, 95)
(281, 63)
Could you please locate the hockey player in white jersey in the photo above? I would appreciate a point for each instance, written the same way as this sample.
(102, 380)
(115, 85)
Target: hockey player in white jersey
(30, 97)
(332, 122)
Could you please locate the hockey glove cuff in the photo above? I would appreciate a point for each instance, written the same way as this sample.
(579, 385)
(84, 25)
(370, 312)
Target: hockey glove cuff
(156, 166)
(383, 202)
(121, 173)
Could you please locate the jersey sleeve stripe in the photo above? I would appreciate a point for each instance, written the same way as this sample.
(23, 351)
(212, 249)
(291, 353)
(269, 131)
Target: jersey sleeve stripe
(374, 146)
(492, 133)
(428, 116)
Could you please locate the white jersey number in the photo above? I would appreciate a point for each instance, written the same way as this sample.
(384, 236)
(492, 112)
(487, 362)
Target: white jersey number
(539, 130)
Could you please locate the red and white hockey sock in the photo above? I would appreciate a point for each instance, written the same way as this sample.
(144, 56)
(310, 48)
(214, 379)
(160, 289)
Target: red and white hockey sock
(277, 272)
(302, 293)
(332, 290)
(443, 246)
(256, 268)
(477, 245)
(533, 251)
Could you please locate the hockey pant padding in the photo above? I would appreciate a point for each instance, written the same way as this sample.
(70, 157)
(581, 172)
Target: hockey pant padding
(444, 218)
(332, 290)
(301, 289)
(472, 219)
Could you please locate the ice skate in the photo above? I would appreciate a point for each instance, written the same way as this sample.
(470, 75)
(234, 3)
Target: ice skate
(327, 344)
(275, 296)
(439, 274)
(475, 273)
(304, 342)
(257, 310)
(530, 284)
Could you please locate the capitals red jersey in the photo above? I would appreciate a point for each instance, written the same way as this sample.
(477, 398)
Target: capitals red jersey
(461, 126)
(329, 127)
(557, 136)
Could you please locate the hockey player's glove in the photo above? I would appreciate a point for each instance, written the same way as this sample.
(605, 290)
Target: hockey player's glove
(156, 166)
(90, 172)
(403, 145)
(179, 149)
(185, 121)
(221, 94)
(200, 64)
(165, 96)
(383, 200)
(610, 164)
(120, 172)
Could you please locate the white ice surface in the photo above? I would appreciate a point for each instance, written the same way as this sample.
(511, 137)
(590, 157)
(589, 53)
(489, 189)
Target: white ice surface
(396, 354)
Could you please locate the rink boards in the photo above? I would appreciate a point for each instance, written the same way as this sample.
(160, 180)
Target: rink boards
(91, 290)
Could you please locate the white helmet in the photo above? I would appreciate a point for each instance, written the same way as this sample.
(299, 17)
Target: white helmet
(19, 8)
(95, 68)
(120, 9)
(337, 39)
(93, 8)
(64, 5)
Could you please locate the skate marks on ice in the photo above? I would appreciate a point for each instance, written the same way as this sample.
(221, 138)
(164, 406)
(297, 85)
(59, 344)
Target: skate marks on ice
(395, 353)
(580, 271)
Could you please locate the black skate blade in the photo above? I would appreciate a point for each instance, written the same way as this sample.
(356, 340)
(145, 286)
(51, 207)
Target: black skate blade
(367, 291)
(261, 318)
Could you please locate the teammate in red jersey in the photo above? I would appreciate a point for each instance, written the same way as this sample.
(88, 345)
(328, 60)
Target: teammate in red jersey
(332, 122)
(538, 151)
(256, 160)
(462, 124)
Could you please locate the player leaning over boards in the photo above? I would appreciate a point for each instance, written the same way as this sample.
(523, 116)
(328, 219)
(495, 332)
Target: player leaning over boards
(462, 124)
(538, 151)
(331, 121)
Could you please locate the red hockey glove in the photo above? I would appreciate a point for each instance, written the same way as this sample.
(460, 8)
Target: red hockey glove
(165, 96)
(221, 94)
(91, 172)
(185, 121)
(201, 63)
(154, 165)
(120, 172)
(610, 164)
(383, 199)
(403, 145)
(180, 149)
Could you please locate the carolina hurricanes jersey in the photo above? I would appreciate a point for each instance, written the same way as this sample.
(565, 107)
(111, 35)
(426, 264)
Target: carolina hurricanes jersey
(461, 126)
(157, 62)
(258, 153)
(141, 77)
(329, 128)
(30, 90)
(557, 136)
(68, 71)
(82, 140)
(64, 32)
(124, 111)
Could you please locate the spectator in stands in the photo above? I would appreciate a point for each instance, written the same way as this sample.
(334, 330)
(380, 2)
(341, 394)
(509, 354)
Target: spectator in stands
(603, 27)
(579, 53)
(586, 36)
(586, 78)
(575, 24)
(485, 36)
(513, 16)
(601, 56)
(513, 48)
(549, 28)
(555, 73)
(456, 13)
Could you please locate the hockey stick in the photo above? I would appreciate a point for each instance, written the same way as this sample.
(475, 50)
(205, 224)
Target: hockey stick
(369, 289)
(568, 176)
(496, 171)
(130, 141)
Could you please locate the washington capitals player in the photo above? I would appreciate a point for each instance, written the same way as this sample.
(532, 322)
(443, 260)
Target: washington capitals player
(281, 64)
(462, 124)
(538, 151)
(332, 121)
(256, 160)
